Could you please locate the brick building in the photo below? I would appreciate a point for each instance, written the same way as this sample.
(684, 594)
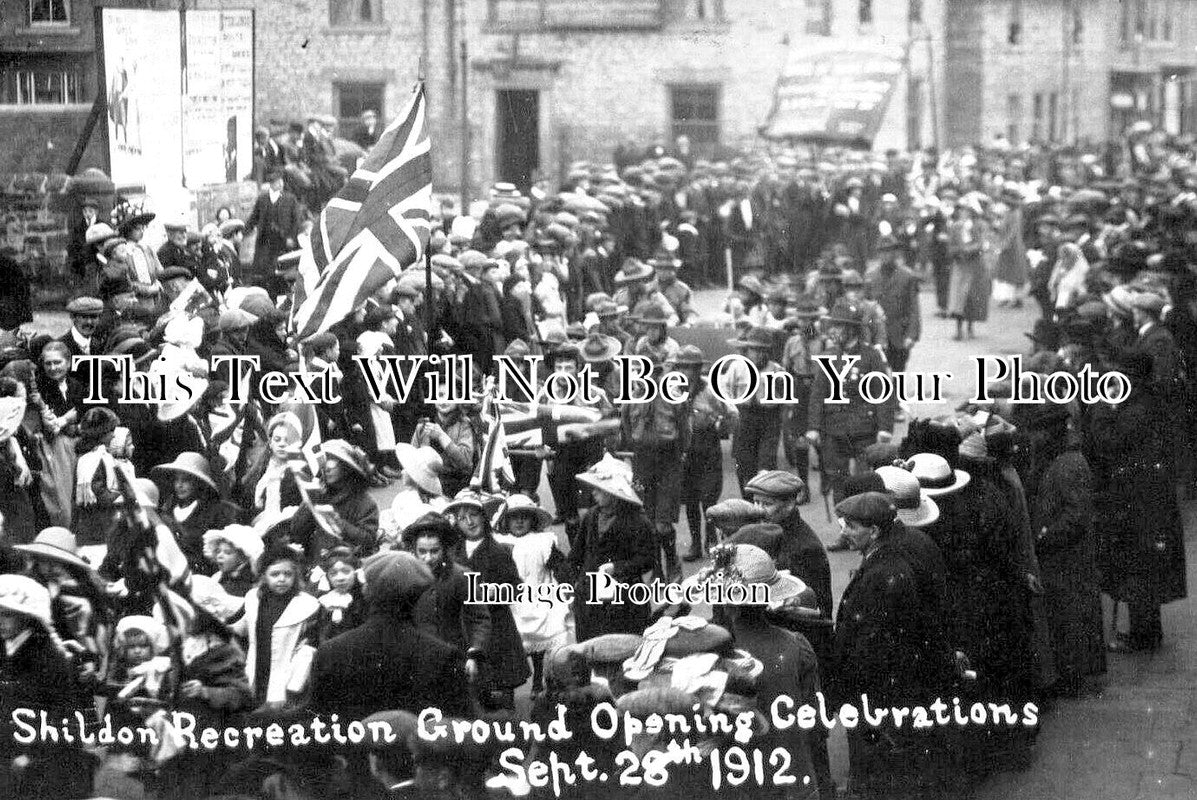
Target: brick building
(1067, 70)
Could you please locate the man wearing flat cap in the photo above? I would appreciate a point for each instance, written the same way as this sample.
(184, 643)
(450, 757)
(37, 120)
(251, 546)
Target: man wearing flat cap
(174, 251)
(79, 340)
(778, 492)
(881, 651)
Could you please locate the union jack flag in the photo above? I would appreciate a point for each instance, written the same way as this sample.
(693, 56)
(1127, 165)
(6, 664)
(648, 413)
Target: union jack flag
(376, 225)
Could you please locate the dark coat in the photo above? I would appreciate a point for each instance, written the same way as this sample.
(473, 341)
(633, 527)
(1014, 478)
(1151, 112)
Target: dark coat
(386, 663)
(879, 626)
(629, 543)
(210, 514)
(506, 664)
(38, 677)
(896, 289)
(1141, 539)
(1062, 519)
(16, 302)
(359, 516)
(442, 612)
(277, 225)
(987, 608)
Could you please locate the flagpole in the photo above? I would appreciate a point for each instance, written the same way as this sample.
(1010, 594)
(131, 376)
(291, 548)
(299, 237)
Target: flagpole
(429, 311)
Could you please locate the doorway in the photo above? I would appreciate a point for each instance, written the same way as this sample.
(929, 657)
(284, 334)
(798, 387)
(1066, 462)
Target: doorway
(518, 136)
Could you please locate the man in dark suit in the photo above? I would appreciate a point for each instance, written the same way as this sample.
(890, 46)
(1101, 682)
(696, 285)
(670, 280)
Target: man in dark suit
(277, 217)
(366, 135)
(79, 252)
(387, 663)
(896, 289)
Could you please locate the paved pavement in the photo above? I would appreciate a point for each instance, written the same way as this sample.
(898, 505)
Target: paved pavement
(1137, 738)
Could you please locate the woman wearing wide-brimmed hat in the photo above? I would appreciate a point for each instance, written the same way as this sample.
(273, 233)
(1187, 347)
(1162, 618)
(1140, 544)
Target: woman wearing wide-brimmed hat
(616, 538)
(787, 658)
(193, 506)
(347, 513)
(80, 610)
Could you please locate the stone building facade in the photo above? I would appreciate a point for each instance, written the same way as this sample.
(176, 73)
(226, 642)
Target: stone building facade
(1067, 70)
(548, 82)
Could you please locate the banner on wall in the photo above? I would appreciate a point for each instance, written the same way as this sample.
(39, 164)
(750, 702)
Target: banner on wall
(835, 92)
(218, 92)
(142, 58)
(180, 97)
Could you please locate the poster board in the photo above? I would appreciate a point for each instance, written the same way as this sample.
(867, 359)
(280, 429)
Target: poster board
(835, 92)
(142, 57)
(218, 96)
(179, 91)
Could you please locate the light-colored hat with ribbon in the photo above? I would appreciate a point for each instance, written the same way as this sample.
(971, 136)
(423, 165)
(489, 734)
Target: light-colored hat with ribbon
(915, 508)
(521, 504)
(613, 477)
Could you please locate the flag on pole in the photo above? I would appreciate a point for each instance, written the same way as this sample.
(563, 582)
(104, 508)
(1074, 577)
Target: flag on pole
(493, 474)
(377, 224)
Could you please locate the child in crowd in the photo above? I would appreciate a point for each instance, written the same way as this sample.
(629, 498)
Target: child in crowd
(140, 682)
(519, 524)
(234, 550)
(342, 606)
(280, 625)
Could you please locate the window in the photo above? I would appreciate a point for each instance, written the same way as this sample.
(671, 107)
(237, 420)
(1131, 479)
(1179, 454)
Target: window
(1167, 20)
(695, 114)
(1037, 117)
(49, 12)
(1014, 29)
(1078, 23)
(1014, 118)
(353, 99)
(914, 13)
(355, 12)
(818, 17)
(41, 87)
(864, 12)
(702, 10)
(1053, 117)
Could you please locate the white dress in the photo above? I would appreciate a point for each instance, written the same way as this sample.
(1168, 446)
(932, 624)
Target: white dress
(542, 626)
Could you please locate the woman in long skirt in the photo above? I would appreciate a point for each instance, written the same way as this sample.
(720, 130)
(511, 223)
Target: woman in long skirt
(969, 286)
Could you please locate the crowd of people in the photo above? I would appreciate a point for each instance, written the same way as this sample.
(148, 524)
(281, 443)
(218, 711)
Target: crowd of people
(232, 560)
